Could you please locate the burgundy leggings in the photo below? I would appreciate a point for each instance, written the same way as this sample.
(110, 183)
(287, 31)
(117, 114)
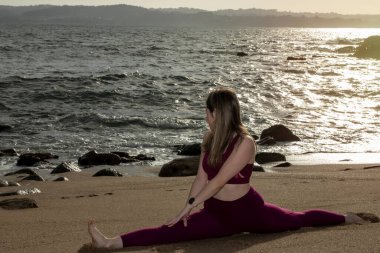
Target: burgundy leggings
(220, 218)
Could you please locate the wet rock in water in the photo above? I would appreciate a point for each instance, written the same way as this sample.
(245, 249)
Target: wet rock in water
(3, 183)
(8, 152)
(121, 154)
(344, 50)
(142, 157)
(31, 159)
(22, 171)
(279, 133)
(291, 58)
(258, 168)
(34, 178)
(5, 128)
(181, 167)
(108, 173)
(267, 157)
(190, 150)
(60, 179)
(21, 192)
(65, 167)
(241, 54)
(266, 141)
(285, 164)
(18, 203)
(93, 158)
(369, 48)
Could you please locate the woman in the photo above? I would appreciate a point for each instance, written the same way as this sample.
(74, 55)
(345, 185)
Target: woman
(231, 205)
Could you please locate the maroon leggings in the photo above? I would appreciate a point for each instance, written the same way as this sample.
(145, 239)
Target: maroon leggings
(220, 218)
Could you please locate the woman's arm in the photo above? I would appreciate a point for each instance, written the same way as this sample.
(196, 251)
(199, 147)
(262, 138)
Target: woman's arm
(200, 180)
(230, 168)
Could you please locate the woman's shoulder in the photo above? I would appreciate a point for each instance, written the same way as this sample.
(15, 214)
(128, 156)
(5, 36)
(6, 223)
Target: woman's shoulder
(247, 140)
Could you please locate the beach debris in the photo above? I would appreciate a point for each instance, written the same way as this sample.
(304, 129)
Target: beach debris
(268, 157)
(189, 150)
(94, 158)
(369, 48)
(279, 133)
(291, 58)
(257, 167)
(8, 152)
(108, 172)
(18, 203)
(371, 167)
(32, 159)
(66, 167)
(241, 54)
(60, 179)
(34, 178)
(180, 167)
(285, 164)
(21, 192)
(22, 171)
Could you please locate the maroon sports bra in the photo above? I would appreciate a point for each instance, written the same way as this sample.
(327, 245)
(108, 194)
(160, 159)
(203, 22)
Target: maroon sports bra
(240, 178)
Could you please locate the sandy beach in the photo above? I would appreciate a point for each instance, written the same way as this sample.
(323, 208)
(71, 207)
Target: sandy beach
(122, 204)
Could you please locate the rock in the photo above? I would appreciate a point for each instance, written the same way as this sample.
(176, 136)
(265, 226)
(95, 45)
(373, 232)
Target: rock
(22, 171)
(60, 179)
(291, 58)
(5, 128)
(285, 164)
(181, 167)
(21, 192)
(108, 173)
(65, 167)
(34, 178)
(93, 158)
(241, 54)
(10, 183)
(128, 160)
(267, 157)
(267, 141)
(18, 203)
(369, 48)
(279, 133)
(190, 150)
(121, 154)
(3, 183)
(8, 152)
(258, 168)
(344, 50)
(31, 159)
(142, 157)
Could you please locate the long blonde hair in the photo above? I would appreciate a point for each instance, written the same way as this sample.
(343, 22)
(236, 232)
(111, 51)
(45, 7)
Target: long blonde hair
(224, 102)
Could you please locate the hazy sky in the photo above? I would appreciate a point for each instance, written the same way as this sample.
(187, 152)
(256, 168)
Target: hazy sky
(339, 6)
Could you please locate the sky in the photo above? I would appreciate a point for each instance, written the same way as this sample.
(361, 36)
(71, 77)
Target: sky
(325, 6)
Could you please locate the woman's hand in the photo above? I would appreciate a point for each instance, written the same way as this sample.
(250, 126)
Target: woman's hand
(183, 215)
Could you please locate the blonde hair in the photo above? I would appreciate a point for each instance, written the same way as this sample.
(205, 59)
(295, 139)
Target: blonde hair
(224, 102)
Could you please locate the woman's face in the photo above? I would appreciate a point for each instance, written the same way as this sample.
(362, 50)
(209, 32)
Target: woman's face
(210, 118)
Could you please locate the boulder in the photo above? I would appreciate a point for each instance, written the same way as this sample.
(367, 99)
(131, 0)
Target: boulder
(268, 157)
(32, 159)
(60, 179)
(369, 48)
(285, 164)
(34, 178)
(142, 157)
(65, 167)
(190, 150)
(279, 133)
(180, 167)
(5, 128)
(258, 168)
(241, 54)
(22, 171)
(121, 154)
(108, 173)
(3, 183)
(21, 192)
(18, 203)
(93, 158)
(11, 183)
(8, 152)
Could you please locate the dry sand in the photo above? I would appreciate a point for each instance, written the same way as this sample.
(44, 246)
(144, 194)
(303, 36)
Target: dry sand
(127, 203)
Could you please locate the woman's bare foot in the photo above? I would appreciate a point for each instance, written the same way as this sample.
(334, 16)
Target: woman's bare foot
(98, 239)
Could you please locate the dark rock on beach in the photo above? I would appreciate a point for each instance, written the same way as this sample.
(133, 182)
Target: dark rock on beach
(108, 173)
(60, 179)
(3, 183)
(369, 48)
(291, 58)
(181, 167)
(34, 178)
(21, 192)
(19, 203)
(241, 54)
(93, 158)
(279, 133)
(267, 157)
(258, 168)
(285, 164)
(8, 152)
(5, 128)
(190, 150)
(142, 157)
(22, 171)
(65, 167)
(32, 159)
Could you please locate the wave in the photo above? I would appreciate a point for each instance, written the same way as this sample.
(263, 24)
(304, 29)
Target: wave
(3, 107)
(162, 123)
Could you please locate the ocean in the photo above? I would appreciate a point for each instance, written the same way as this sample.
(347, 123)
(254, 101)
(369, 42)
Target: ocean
(70, 89)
